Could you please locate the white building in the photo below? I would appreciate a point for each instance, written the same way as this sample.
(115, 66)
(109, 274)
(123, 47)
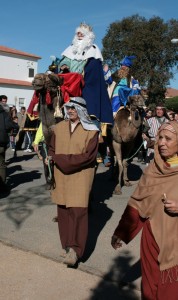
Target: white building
(17, 70)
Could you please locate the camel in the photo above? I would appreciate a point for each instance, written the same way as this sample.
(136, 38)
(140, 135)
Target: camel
(48, 100)
(125, 130)
(46, 104)
(51, 92)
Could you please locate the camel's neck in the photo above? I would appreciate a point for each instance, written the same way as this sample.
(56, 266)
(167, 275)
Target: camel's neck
(135, 117)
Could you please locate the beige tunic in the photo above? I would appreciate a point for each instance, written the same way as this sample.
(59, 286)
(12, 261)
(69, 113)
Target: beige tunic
(74, 155)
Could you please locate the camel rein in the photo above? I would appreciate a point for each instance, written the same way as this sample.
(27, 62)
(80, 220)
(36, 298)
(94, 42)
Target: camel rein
(135, 152)
(49, 164)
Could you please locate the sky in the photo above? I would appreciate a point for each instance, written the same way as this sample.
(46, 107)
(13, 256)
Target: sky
(46, 28)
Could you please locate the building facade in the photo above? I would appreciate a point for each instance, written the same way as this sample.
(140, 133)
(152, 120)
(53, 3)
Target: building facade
(171, 93)
(17, 70)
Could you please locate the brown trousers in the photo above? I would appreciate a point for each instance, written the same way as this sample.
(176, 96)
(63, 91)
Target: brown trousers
(73, 227)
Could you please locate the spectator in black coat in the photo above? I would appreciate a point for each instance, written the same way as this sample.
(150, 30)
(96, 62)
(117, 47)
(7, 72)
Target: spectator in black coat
(6, 126)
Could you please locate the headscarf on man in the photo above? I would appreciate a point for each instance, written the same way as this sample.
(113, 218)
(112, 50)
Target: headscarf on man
(163, 107)
(80, 105)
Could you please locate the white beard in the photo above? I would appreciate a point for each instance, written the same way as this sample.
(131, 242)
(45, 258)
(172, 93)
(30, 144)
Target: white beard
(83, 49)
(79, 46)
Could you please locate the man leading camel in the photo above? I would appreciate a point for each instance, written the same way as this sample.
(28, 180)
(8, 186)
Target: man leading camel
(73, 149)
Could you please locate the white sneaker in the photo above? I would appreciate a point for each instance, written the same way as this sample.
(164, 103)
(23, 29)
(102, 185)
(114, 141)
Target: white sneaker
(70, 258)
(63, 253)
(27, 150)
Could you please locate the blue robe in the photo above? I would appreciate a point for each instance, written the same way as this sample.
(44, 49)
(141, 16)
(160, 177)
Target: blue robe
(95, 92)
(121, 94)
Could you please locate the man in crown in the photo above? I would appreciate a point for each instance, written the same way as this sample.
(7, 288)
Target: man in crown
(84, 57)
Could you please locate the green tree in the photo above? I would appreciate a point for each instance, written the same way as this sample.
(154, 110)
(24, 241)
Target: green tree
(150, 41)
(172, 104)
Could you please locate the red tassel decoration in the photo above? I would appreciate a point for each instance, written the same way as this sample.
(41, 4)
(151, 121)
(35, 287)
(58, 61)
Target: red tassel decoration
(35, 97)
(48, 98)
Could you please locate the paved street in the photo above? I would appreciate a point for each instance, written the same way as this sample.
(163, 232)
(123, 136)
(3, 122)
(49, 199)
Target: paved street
(30, 238)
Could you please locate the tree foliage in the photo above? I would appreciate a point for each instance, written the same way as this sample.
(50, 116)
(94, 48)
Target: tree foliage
(150, 41)
(172, 104)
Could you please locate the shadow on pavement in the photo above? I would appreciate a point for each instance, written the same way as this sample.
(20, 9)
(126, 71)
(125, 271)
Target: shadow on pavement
(97, 220)
(99, 212)
(134, 172)
(19, 158)
(17, 179)
(17, 175)
(117, 283)
(18, 206)
(103, 187)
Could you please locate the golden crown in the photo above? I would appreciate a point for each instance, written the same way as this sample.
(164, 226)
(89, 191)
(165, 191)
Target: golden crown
(83, 24)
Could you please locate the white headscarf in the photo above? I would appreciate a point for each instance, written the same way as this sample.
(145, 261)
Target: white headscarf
(80, 105)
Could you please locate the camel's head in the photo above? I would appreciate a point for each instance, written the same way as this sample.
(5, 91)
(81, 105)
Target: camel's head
(137, 101)
(39, 81)
(44, 81)
(53, 82)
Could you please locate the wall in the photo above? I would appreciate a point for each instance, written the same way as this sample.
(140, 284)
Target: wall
(15, 67)
(15, 93)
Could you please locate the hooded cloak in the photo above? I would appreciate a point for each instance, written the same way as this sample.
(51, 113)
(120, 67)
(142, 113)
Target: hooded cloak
(159, 179)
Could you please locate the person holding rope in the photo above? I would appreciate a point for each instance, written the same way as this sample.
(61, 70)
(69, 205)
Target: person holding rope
(73, 150)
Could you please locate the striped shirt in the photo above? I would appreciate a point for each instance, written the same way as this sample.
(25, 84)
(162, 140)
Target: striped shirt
(154, 124)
